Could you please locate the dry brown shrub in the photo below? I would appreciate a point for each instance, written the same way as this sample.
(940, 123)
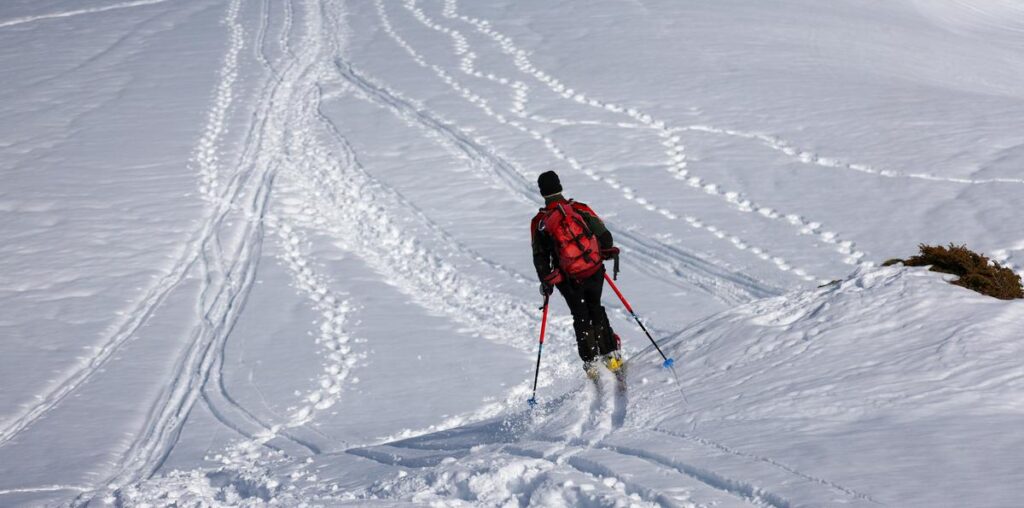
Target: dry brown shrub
(977, 272)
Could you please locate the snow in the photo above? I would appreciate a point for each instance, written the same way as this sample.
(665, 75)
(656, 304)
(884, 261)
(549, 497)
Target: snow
(275, 252)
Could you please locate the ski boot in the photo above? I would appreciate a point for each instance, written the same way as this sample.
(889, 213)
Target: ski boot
(617, 366)
(613, 361)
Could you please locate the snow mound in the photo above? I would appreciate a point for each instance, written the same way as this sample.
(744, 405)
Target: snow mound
(816, 398)
(891, 385)
(883, 340)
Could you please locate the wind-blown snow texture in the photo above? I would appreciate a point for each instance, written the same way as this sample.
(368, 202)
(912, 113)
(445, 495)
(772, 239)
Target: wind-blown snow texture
(274, 251)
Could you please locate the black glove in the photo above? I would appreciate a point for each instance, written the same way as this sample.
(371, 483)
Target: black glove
(546, 289)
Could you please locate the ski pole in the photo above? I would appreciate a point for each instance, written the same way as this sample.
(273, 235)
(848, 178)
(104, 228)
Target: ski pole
(668, 361)
(543, 326)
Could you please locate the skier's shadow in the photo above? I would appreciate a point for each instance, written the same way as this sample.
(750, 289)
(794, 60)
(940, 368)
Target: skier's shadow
(431, 449)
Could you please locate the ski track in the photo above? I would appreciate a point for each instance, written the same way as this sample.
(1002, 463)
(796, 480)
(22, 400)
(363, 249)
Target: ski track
(744, 491)
(583, 450)
(286, 29)
(222, 299)
(717, 281)
(204, 357)
(674, 149)
(42, 488)
(449, 243)
(597, 418)
(217, 399)
(266, 148)
(599, 422)
(606, 416)
(222, 405)
(591, 448)
(347, 198)
(461, 47)
(599, 404)
(519, 109)
(226, 282)
(355, 207)
(774, 463)
(676, 153)
(206, 159)
(580, 443)
(120, 42)
(809, 157)
(340, 360)
(77, 12)
(332, 308)
(599, 464)
(315, 172)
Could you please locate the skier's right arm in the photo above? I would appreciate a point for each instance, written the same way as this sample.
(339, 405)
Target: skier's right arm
(543, 259)
(541, 250)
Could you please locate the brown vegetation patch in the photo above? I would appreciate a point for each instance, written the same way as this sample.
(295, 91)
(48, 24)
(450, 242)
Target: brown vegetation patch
(977, 272)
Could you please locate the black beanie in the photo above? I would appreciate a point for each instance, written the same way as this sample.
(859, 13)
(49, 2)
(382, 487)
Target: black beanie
(549, 184)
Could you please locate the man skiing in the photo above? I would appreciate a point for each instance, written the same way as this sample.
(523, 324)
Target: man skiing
(570, 244)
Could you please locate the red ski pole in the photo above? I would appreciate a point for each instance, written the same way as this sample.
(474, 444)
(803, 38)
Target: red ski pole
(543, 326)
(668, 361)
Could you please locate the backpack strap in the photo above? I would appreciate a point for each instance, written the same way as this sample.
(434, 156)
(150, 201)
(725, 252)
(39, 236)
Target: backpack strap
(578, 238)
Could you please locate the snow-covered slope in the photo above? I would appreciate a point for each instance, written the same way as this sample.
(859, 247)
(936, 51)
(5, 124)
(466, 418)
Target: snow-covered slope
(891, 388)
(276, 251)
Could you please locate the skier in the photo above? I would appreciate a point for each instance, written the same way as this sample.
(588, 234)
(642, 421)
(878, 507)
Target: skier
(570, 244)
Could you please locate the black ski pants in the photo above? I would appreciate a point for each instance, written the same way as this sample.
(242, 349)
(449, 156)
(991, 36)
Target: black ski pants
(594, 335)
